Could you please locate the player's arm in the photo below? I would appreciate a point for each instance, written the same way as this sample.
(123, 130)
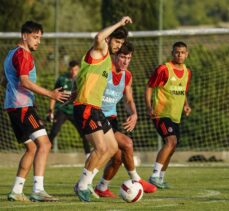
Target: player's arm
(148, 101)
(54, 94)
(100, 46)
(131, 121)
(187, 108)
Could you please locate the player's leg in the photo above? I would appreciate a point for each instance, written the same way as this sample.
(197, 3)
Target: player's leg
(167, 129)
(126, 145)
(110, 170)
(59, 119)
(20, 129)
(24, 167)
(86, 145)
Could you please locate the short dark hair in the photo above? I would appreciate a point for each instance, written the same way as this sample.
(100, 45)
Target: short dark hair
(126, 48)
(30, 26)
(73, 63)
(179, 44)
(119, 33)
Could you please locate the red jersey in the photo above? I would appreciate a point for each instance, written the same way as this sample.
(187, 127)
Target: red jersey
(160, 76)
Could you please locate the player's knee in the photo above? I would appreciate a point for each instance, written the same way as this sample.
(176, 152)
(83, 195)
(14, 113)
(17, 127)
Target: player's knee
(44, 147)
(128, 145)
(102, 150)
(31, 149)
(172, 142)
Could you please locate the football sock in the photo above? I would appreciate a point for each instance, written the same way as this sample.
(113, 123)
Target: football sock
(157, 169)
(38, 184)
(85, 179)
(162, 175)
(95, 171)
(18, 185)
(103, 184)
(87, 155)
(134, 175)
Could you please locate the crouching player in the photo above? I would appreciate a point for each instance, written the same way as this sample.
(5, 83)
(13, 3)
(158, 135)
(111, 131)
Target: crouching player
(119, 84)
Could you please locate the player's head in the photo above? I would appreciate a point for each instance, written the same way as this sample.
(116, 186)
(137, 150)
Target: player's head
(74, 67)
(124, 56)
(116, 39)
(179, 52)
(31, 34)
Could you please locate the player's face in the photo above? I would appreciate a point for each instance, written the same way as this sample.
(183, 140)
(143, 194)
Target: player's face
(32, 40)
(115, 45)
(74, 71)
(179, 54)
(123, 61)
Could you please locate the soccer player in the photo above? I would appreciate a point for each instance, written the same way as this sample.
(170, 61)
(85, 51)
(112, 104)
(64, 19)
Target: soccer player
(91, 122)
(168, 85)
(20, 77)
(119, 85)
(59, 112)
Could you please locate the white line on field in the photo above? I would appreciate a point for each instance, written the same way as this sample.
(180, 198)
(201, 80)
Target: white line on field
(208, 193)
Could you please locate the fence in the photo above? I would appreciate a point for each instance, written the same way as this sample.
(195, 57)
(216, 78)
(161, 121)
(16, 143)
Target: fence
(206, 129)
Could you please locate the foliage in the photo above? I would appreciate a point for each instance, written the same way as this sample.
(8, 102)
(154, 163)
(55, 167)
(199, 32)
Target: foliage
(144, 13)
(91, 15)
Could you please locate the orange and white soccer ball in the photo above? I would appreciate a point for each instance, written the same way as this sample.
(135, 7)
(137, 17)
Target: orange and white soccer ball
(131, 191)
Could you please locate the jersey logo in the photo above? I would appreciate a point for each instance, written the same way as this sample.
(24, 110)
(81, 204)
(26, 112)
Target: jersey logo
(173, 79)
(105, 74)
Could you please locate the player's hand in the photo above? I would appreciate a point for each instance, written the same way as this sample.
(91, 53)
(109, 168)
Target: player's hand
(59, 95)
(130, 123)
(187, 110)
(50, 116)
(150, 113)
(125, 20)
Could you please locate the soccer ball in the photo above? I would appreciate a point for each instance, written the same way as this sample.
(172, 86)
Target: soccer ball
(131, 191)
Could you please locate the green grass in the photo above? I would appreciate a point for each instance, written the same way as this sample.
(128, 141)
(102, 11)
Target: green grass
(192, 188)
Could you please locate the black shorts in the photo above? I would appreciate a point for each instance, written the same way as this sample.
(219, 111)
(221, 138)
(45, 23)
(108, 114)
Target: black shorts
(25, 121)
(166, 127)
(90, 119)
(114, 124)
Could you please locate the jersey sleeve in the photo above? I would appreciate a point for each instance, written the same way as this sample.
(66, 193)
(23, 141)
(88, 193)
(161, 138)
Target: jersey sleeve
(23, 62)
(159, 77)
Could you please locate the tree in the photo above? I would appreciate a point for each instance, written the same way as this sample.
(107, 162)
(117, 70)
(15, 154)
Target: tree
(145, 13)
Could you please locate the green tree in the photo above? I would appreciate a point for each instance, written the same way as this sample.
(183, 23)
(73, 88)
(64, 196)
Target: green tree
(145, 13)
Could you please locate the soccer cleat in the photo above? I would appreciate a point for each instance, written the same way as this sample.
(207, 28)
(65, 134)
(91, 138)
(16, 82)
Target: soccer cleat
(166, 185)
(106, 193)
(93, 193)
(42, 196)
(147, 187)
(157, 182)
(12, 196)
(84, 195)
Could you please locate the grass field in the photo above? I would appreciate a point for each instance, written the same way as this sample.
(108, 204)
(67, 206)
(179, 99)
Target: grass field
(192, 188)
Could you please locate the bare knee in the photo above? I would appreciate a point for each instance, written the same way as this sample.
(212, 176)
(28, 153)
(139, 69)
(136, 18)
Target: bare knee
(128, 145)
(44, 146)
(171, 142)
(31, 148)
(102, 149)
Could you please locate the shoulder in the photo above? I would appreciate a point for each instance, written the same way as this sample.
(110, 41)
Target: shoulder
(22, 53)
(161, 68)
